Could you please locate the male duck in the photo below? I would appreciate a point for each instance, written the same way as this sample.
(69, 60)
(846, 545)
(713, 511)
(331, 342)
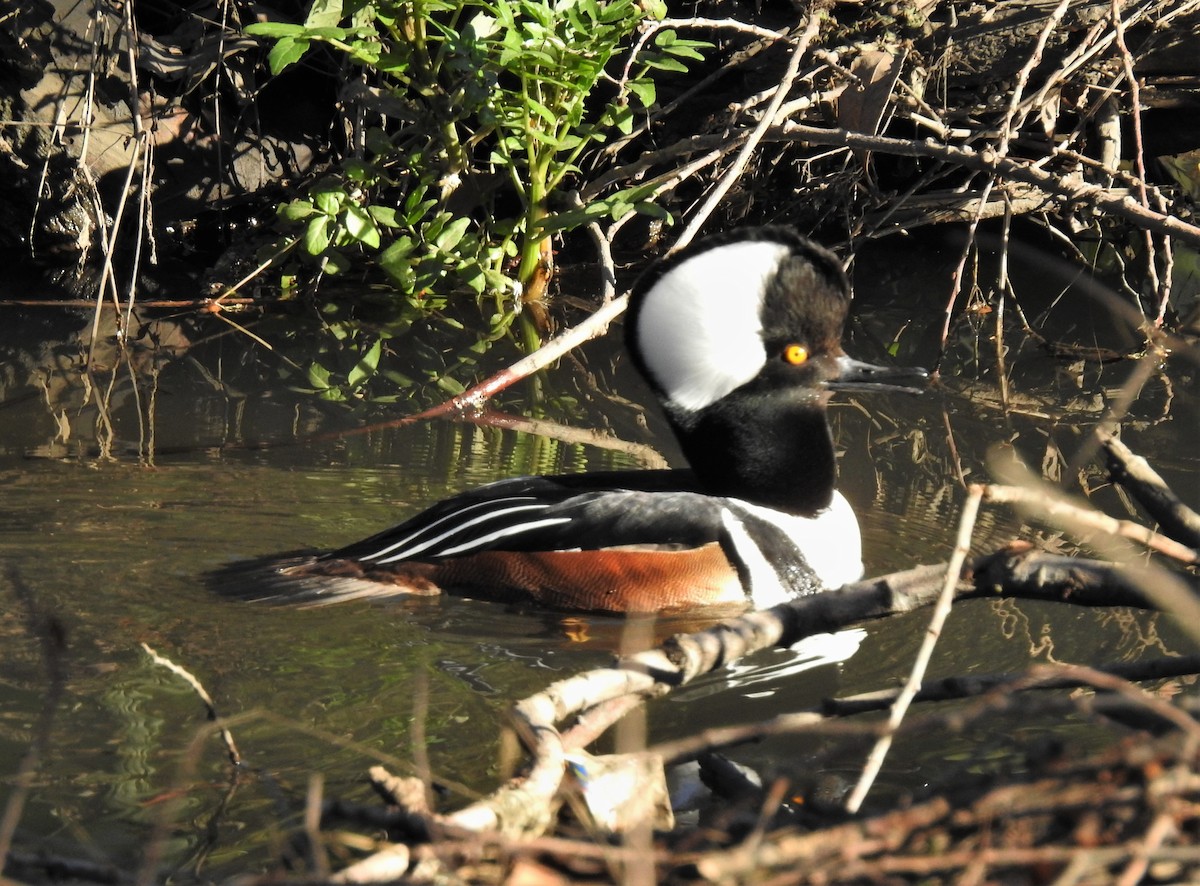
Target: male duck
(740, 338)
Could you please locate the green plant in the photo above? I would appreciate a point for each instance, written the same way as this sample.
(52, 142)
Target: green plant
(481, 114)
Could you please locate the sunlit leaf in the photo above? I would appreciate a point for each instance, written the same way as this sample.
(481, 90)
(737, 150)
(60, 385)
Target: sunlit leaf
(296, 210)
(324, 13)
(316, 235)
(452, 234)
(366, 365)
(383, 215)
(333, 262)
(450, 386)
(318, 376)
(274, 29)
(329, 202)
(644, 90)
(361, 227)
(483, 26)
(287, 51)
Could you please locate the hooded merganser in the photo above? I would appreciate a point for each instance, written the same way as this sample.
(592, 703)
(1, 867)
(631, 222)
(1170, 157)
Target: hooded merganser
(740, 338)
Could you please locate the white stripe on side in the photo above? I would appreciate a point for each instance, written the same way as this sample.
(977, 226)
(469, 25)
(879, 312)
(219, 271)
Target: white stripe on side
(484, 540)
(765, 590)
(452, 518)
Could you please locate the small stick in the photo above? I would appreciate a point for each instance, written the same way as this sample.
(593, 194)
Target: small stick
(1139, 153)
(1006, 133)
(473, 398)
(234, 757)
(1119, 204)
(319, 858)
(767, 121)
(1134, 473)
(1094, 520)
(962, 547)
(200, 304)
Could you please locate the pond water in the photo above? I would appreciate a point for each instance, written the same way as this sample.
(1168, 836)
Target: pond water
(118, 493)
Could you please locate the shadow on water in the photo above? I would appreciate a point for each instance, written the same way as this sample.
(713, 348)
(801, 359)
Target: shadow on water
(120, 488)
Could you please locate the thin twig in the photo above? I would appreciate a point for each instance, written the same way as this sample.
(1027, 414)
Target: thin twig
(962, 547)
(747, 151)
(1006, 133)
(230, 747)
(1134, 473)
(317, 854)
(1085, 519)
(1055, 186)
(1139, 151)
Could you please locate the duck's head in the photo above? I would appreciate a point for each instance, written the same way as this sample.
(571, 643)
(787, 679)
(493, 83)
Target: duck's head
(740, 337)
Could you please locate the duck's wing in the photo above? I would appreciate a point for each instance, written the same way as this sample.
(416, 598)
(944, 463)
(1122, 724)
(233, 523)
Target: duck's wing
(587, 512)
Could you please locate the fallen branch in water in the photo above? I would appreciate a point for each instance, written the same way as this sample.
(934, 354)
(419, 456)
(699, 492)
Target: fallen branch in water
(1133, 472)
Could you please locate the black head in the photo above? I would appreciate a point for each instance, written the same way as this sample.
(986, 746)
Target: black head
(740, 337)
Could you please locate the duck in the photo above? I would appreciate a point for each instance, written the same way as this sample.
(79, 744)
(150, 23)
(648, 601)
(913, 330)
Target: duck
(739, 337)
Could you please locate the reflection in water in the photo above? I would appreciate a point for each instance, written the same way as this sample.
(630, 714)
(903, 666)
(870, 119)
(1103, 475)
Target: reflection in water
(57, 408)
(760, 676)
(116, 550)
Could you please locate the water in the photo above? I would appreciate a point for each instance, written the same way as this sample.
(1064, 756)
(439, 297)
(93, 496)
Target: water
(117, 493)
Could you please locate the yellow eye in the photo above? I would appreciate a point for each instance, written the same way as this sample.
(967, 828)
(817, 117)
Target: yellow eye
(795, 354)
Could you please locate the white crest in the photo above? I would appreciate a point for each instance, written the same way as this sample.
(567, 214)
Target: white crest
(700, 325)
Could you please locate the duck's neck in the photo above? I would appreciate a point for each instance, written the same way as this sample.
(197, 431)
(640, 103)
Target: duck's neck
(765, 450)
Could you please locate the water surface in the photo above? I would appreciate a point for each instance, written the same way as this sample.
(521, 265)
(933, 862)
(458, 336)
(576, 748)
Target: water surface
(119, 491)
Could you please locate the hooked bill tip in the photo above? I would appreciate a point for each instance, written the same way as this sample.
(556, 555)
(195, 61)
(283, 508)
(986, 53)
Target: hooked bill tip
(855, 375)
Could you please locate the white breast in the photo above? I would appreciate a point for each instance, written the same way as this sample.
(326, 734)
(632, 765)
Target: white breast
(830, 542)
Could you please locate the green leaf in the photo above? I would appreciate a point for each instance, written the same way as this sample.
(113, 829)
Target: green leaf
(333, 394)
(669, 42)
(397, 378)
(287, 51)
(324, 13)
(545, 113)
(644, 90)
(623, 119)
(361, 227)
(666, 63)
(654, 211)
(482, 26)
(329, 202)
(395, 263)
(620, 210)
(274, 29)
(358, 171)
(366, 366)
(333, 262)
(296, 210)
(378, 142)
(326, 32)
(316, 235)
(450, 386)
(318, 376)
(655, 9)
(385, 216)
(452, 234)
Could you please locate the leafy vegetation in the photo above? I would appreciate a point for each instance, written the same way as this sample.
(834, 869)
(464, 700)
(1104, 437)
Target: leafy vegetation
(473, 118)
